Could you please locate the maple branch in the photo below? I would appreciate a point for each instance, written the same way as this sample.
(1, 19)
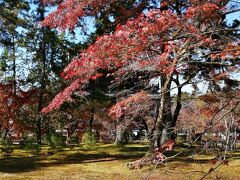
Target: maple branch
(211, 63)
(219, 111)
(225, 114)
(162, 162)
(235, 1)
(212, 170)
(219, 30)
(232, 11)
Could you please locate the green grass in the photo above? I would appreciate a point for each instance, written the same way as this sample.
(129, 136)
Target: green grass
(108, 162)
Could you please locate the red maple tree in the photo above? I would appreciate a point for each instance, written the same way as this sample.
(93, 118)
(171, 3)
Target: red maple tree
(183, 39)
(11, 103)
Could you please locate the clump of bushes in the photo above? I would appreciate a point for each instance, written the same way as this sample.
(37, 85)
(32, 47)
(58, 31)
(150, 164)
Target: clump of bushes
(56, 140)
(89, 139)
(30, 143)
(7, 147)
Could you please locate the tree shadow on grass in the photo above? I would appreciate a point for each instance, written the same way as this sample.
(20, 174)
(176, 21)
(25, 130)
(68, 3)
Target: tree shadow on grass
(27, 164)
(15, 165)
(100, 157)
(134, 149)
(186, 158)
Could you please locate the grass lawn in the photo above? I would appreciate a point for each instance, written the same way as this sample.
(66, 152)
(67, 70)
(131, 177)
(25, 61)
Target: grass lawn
(109, 162)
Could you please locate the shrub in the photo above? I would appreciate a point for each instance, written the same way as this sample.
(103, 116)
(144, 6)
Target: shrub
(56, 140)
(7, 148)
(30, 143)
(89, 139)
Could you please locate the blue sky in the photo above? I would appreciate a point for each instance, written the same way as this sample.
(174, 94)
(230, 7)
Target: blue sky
(80, 37)
(90, 25)
(233, 16)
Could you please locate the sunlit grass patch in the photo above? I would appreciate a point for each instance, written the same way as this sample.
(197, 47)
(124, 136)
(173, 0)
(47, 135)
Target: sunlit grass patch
(108, 161)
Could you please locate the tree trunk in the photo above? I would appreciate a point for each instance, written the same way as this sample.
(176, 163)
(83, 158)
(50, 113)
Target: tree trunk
(227, 134)
(178, 107)
(6, 133)
(70, 131)
(166, 119)
(42, 59)
(91, 119)
(14, 66)
(145, 124)
(121, 136)
(163, 125)
(39, 130)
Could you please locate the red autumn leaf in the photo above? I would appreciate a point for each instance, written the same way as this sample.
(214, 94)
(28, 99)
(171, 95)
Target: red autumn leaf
(226, 162)
(213, 161)
(168, 145)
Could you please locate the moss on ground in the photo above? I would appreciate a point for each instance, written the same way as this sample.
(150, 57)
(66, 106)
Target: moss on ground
(107, 161)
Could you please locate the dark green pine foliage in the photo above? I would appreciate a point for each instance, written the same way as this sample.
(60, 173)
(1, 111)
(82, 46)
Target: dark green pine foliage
(50, 53)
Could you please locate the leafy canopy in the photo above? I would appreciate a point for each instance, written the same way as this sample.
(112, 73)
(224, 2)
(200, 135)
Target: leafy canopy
(176, 40)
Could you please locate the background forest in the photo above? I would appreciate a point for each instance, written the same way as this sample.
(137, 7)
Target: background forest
(161, 74)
